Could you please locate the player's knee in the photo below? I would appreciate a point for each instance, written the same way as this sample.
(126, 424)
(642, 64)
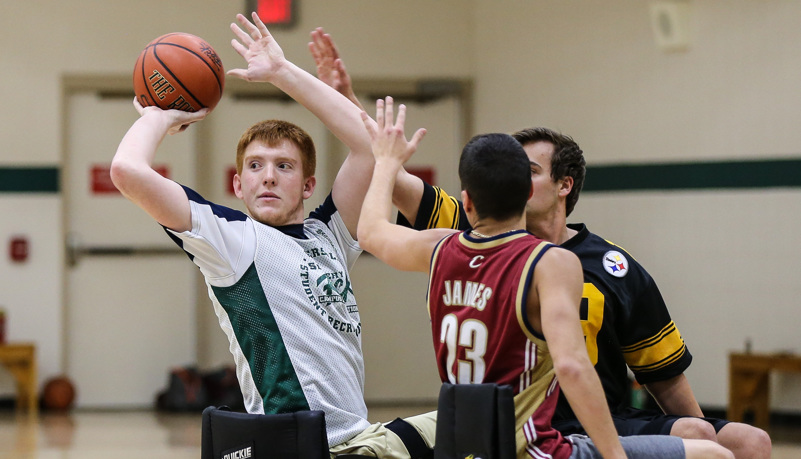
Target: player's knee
(718, 452)
(705, 449)
(693, 428)
(758, 444)
(746, 441)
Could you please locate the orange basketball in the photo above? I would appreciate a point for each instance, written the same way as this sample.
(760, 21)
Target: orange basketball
(58, 393)
(180, 71)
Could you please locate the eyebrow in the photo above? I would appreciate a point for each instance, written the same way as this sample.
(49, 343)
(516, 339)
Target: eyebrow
(283, 159)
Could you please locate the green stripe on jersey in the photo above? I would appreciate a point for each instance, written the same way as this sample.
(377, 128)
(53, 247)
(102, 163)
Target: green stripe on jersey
(260, 340)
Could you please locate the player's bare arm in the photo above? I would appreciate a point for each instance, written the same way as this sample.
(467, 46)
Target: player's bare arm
(399, 247)
(675, 396)
(558, 284)
(266, 63)
(407, 194)
(133, 175)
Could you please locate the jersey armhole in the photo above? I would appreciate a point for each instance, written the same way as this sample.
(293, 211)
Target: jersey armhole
(522, 291)
(434, 256)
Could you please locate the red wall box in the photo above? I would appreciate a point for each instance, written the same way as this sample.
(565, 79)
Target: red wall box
(18, 249)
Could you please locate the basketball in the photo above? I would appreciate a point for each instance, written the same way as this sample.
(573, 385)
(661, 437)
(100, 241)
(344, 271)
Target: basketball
(58, 394)
(179, 71)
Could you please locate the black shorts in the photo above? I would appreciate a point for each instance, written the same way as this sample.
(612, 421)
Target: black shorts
(632, 421)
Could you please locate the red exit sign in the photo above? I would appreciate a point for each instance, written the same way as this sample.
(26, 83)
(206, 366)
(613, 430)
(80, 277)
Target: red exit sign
(274, 12)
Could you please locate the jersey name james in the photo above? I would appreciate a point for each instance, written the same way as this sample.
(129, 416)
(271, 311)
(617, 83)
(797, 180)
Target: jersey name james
(466, 293)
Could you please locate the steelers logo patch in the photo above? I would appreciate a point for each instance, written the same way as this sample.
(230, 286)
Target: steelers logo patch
(615, 263)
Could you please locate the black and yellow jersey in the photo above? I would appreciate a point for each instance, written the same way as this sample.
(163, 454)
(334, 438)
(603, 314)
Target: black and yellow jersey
(625, 320)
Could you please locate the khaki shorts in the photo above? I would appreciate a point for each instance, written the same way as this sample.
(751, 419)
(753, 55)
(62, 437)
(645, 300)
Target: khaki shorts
(378, 441)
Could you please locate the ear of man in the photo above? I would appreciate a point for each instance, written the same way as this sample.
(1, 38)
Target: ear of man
(308, 187)
(467, 202)
(566, 186)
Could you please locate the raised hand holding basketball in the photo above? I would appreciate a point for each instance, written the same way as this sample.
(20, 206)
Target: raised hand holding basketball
(178, 120)
(262, 53)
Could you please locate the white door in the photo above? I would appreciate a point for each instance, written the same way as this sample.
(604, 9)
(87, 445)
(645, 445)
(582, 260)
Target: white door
(130, 305)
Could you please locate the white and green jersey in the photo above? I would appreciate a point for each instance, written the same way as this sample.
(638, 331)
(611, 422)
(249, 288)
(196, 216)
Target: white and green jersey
(284, 299)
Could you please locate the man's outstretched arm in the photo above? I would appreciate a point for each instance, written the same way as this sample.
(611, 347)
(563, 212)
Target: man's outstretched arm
(133, 175)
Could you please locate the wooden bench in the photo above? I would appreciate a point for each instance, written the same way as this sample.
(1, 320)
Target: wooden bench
(749, 383)
(20, 360)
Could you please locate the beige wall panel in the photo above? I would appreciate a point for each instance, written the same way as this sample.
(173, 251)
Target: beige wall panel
(727, 264)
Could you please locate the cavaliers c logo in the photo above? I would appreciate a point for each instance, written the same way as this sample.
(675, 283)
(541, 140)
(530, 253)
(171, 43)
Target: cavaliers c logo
(476, 261)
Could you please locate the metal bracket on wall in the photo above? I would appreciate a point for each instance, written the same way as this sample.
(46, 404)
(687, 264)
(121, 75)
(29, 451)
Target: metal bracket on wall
(75, 250)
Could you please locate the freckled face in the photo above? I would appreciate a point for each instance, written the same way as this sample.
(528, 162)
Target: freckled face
(272, 184)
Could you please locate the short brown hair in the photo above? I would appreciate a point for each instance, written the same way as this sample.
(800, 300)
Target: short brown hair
(496, 174)
(567, 160)
(272, 133)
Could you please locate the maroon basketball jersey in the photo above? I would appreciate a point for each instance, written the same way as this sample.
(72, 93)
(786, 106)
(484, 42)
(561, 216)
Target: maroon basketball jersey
(477, 296)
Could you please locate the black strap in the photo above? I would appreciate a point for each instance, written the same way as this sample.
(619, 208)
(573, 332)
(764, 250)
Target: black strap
(301, 434)
(415, 444)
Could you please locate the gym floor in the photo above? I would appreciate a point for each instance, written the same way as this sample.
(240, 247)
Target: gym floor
(137, 434)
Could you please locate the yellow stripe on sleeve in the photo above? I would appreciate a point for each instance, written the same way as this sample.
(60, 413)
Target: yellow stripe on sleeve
(656, 352)
(446, 211)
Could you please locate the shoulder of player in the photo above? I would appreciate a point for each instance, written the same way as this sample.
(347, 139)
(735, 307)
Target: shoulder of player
(315, 227)
(324, 211)
(217, 224)
(554, 257)
(199, 203)
(596, 255)
(596, 245)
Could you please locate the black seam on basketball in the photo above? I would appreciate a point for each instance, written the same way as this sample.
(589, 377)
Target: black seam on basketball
(149, 89)
(174, 76)
(202, 59)
(164, 37)
(199, 56)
